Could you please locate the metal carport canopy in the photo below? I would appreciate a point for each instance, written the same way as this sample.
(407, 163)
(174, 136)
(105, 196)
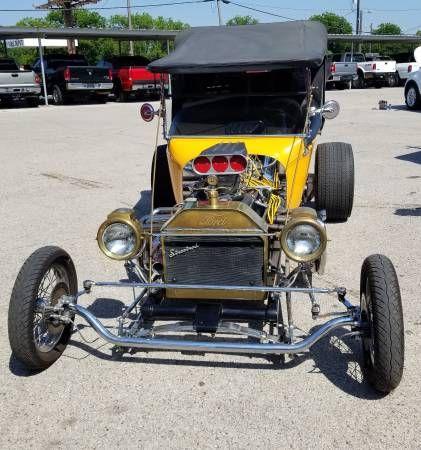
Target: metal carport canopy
(87, 33)
(165, 35)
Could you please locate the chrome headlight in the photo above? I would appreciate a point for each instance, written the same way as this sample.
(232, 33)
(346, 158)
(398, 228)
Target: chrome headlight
(304, 237)
(120, 236)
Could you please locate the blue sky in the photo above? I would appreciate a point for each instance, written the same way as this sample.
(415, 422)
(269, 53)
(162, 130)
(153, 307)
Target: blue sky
(406, 13)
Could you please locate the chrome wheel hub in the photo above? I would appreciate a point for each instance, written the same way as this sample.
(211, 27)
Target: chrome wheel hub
(411, 96)
(47, 331)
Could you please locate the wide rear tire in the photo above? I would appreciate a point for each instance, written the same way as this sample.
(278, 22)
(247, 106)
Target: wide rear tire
(382, 318)
(36, 341)
(334, 184)
(163, 195)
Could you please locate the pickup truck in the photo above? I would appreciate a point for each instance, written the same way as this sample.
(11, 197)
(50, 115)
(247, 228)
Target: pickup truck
(18, 84)
(69, 77)
(342, 73)
(372, 70)
(132, 78)
(405, 64)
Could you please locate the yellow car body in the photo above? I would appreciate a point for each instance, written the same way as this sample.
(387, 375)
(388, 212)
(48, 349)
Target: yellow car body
(290, 151)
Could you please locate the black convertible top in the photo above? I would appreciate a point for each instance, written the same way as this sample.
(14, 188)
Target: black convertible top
(247, 47)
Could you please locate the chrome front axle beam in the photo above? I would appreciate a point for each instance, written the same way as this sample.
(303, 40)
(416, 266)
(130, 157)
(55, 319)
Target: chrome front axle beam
(153, 343)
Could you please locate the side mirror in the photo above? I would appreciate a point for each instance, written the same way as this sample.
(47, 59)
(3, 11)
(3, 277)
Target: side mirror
(147, 112)
(330, 109)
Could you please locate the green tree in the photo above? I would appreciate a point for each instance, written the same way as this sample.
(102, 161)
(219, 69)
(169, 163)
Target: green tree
(242, 20)
(418, 33)
(335, 25)
(96, 49)
(386, 48)
(144, 21)
(387, 28)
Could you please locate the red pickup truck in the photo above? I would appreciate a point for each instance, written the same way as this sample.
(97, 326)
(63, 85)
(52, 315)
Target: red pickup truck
(132, 78)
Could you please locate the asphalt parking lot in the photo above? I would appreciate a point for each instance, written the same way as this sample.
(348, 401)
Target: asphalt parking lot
(64, 168)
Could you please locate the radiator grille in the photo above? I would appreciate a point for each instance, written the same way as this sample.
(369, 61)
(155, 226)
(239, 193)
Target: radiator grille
(224, 260)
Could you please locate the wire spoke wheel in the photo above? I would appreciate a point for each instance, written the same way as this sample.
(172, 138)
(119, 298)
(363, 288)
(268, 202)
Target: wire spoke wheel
(55, 284)
(37, 335)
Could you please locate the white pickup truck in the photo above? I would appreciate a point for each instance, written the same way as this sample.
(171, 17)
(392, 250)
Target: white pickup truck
(372, 70)
(18, 84)
(405, 64)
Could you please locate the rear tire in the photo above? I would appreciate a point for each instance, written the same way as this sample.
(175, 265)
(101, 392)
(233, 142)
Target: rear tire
(36, 341)
(412, 96)
(359, 83)
(58, 96)
(381, 313)
(123, 96)
(334, 184)
(163, 195)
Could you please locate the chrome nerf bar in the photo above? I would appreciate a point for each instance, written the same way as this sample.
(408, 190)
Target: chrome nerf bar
(210, 347)
(88, 284)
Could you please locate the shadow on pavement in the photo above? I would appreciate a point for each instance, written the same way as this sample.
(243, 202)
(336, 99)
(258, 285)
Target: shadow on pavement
(337, 359)
(404, 108)
(408, 212)
(414, 157)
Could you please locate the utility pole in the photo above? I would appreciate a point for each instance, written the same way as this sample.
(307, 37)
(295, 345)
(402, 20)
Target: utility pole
(129, 17)
(358, 23)
(218, 5)
(67, 6)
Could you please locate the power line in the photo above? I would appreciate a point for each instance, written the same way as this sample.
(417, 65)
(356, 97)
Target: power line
(257, 10)
(99, 8)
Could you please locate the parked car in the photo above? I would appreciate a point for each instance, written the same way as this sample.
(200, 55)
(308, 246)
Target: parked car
(16, 84)
(132, 78)
(405, 64)
(413, 90)
(232, 236)
(372, 70)
(70, 77)
(342, 74)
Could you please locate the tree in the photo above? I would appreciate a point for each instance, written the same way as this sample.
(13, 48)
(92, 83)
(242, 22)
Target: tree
(418, 33)
(144, 21)
(242, 20)
(335, 25)
(96, 49)
(386, 48)
(387, 28)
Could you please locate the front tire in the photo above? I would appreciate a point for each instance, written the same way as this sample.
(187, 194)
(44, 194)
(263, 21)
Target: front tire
(36, 340)
(382, 318)
(163, 195)
(412, 96)
(334, 184)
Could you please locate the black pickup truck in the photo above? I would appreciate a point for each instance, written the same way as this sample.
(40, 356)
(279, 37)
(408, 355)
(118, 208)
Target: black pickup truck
(69, 77)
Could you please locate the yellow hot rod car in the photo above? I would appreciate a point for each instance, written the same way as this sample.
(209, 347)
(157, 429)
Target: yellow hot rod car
(237, 226)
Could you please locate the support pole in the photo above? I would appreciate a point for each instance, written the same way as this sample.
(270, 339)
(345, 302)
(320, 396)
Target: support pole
(129, 17)
(44, 82)
(218, 5)
(169, 76)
